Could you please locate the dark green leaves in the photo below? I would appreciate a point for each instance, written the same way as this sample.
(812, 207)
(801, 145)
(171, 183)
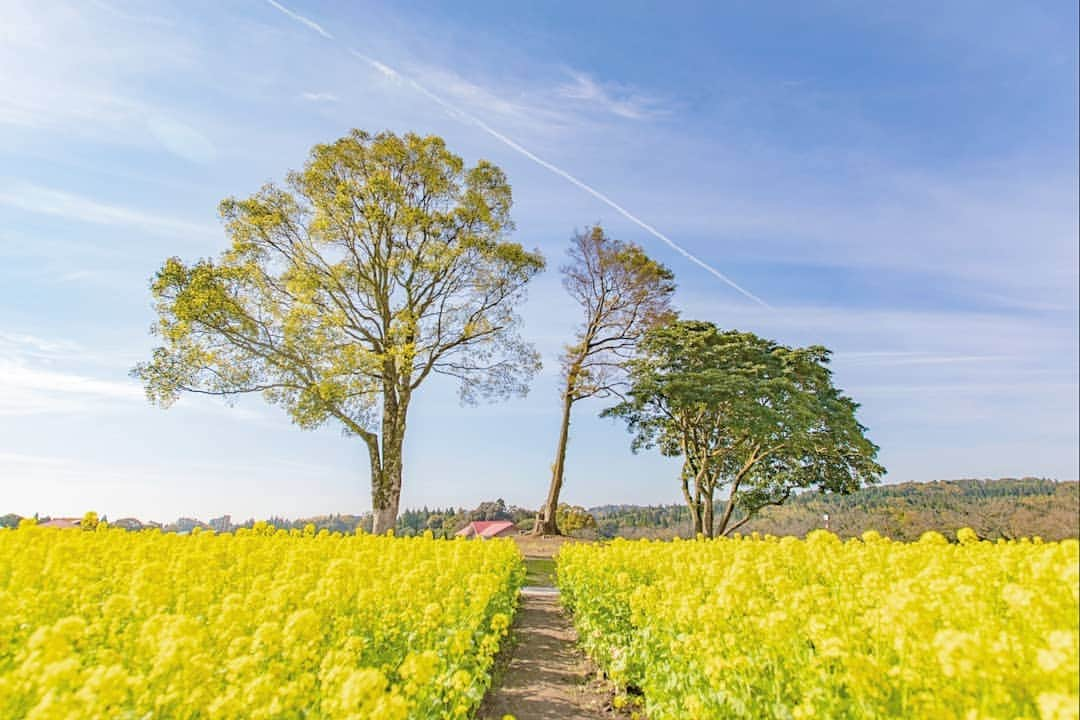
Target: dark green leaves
(747, 413)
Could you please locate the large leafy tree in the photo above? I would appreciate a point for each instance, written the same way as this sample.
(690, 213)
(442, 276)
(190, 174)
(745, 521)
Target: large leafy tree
(384, 261)
(747, 415)
(622, 293)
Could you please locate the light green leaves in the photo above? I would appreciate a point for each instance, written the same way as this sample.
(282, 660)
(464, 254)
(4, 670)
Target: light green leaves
(382, 261)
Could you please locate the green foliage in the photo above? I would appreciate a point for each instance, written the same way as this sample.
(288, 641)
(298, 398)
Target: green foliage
(384, 260)
(89, 521)
(1006, 508)
(540, 571)
(572, 518)
(622, 293)
(745, 413)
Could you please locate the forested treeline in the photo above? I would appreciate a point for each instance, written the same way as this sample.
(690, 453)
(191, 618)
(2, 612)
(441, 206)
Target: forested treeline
(1004, 508)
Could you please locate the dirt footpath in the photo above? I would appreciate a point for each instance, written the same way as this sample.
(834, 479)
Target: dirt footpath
(547, 677)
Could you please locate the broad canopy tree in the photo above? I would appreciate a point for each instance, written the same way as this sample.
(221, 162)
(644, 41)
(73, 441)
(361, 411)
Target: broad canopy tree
(622, 293)
(384, 261)
(747, 415)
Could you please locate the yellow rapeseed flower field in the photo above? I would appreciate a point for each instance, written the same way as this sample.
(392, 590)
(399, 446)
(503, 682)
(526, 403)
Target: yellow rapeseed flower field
(820, 628)
(263, 624)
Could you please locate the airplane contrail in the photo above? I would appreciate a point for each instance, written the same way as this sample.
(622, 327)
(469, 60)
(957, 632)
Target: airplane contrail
(472, 119)
(302, 20)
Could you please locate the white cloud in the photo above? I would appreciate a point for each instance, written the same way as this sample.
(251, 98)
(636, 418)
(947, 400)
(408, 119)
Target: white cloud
(182, 140)
(13, 344)
(34, 391)
(48, 201)
(878, 357)
(66, 68)
(1010, 390)
(73, 276)
(1004, 238)
(985, 353)
(468, 118)
(139, 18)
(615, 99)
(320, 97)
(859, 333)
(17, 377)
(47, 375)
(537, 106)
(531, 110)
(40, 376)
(540, 105)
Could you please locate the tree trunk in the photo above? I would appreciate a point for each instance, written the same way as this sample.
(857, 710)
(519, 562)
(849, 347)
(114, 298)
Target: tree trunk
(695, 517)
(730, 508)
(691, 500)
(726, 518)
(709, 511)
(696, 510)
(386, 469)
(386, 487)
(546, 523)
(384, 519)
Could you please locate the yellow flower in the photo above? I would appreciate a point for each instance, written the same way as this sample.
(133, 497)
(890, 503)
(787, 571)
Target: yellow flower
(259, 624)
(786, 628)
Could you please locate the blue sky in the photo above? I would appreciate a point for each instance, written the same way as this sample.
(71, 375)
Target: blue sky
(898, 183)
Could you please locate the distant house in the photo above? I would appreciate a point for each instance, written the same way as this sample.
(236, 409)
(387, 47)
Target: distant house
(221, 524)
(62, 523)
(128, 523)
(486, 529)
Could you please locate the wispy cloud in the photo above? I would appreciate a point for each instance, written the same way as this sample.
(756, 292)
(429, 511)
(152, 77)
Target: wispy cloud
(458, 112)
(320, 97)
(1004, 238)
(617, 100)
(995, 390)
(141, 19)
(83, 83)
(48, 201)
(474, 96)
(38, 375)
(514, 145)
(29, 390)
(14, 344)
(59, 376)
(888, 333)
(892, 357)
(78, 275)
(182, 140)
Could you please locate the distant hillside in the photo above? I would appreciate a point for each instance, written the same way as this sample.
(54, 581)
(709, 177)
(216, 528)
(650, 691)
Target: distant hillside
(1005, 508)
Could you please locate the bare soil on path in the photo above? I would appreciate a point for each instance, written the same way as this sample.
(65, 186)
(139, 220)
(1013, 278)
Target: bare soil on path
(547, 677)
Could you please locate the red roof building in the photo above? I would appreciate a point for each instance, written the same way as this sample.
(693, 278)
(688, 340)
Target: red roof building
(486, 529)
(62, 523)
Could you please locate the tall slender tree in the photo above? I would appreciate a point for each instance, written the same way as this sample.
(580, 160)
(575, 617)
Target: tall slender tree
(382, 262)
(622, 293)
